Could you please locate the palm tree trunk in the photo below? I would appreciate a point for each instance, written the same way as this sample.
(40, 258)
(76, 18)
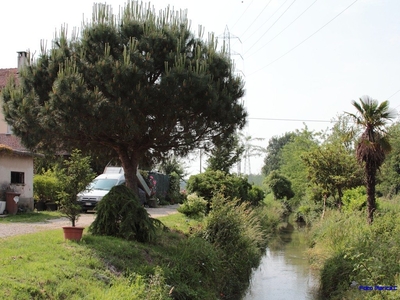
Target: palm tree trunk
(370, 179)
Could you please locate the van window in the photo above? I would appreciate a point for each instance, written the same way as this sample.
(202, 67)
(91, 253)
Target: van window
(103, 184)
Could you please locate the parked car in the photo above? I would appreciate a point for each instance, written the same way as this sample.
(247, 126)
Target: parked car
(100, 186)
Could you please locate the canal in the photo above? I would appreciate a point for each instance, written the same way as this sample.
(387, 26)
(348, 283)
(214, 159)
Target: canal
(284, 272)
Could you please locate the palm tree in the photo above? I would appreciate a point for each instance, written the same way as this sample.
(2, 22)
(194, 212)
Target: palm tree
(373, 143)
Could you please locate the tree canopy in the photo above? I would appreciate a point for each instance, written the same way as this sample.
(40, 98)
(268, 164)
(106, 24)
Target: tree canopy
(333, 168)
(273, 159)
(225, 154)
(138, 83)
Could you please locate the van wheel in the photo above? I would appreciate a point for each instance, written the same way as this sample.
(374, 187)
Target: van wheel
(84, 211)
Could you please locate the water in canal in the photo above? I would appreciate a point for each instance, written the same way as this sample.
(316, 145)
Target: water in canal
(284, 272)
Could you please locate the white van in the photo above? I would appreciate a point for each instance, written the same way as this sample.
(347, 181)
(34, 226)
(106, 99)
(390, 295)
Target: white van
(102, 184)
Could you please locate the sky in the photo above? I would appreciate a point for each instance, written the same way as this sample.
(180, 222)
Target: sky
(303, 61)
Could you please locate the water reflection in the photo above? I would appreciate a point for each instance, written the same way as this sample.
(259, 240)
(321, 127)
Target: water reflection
(284, 271)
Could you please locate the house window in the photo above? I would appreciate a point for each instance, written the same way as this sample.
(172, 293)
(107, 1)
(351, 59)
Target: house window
(17, 177)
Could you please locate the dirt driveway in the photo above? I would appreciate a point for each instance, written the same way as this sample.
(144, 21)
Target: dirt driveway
(85, 220)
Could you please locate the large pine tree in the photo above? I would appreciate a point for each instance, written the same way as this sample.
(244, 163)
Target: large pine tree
(138, 82)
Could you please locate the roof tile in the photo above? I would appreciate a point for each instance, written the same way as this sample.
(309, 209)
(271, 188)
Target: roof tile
(5, 74)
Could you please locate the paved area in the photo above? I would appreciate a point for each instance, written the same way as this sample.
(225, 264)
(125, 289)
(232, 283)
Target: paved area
(85, 220)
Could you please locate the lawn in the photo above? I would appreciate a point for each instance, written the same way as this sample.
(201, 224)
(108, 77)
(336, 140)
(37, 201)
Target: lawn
(31, 217)
(44, 266)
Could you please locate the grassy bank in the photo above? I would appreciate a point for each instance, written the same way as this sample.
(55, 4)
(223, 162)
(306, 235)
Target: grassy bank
(358, 261)
(181, 264)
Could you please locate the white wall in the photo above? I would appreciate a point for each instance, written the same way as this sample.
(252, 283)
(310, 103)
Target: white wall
(18, 163)
(3, 124)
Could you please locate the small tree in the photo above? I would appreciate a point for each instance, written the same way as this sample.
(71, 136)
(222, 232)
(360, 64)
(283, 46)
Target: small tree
(225, 154)
(281, 186)
(74, 178)
(334, 169)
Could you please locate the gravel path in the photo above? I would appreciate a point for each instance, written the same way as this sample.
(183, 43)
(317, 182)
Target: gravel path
(7, 229)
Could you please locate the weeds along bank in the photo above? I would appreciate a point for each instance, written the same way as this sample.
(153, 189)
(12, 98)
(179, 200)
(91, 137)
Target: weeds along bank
(214, 261)
(357, 260)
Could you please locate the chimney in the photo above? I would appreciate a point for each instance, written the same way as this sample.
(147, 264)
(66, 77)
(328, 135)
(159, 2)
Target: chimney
(22, 59)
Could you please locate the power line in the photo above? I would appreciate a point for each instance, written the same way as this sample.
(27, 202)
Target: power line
(285, 28)
(257, 17)
(242, 14)
(271, 26)
(330, 21)
(268, 20)
(393, 94)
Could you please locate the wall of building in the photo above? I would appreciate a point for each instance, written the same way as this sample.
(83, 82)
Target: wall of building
(3, 124)
(13, 163)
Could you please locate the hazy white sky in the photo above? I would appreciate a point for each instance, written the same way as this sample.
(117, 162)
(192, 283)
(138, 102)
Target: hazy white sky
(301, 60)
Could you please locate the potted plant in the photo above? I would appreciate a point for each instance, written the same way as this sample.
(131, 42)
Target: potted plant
(74, 178)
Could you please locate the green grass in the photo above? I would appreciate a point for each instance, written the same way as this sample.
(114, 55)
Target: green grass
(179, 222)
(346, 249)
(44, 266)
(31, 217)
(177, 265)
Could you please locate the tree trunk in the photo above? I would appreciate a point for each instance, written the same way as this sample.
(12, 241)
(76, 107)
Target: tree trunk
(370, 179)
(323, 211)
(340, 196)
(130, 165)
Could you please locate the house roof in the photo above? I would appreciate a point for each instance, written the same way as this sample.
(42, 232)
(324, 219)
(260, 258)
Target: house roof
(5, 74)
(12, 143)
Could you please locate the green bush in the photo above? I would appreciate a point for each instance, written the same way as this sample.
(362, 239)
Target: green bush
(119, 214)
(256, 195)
(335, 276)
(46, 186)
(236, 230)
(309, 211)
(354, 199)
(356, 251)
(174, 195)
(231, 186)
(196, 264)
(193, 206)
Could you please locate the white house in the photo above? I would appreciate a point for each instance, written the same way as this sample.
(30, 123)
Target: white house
(16, 162)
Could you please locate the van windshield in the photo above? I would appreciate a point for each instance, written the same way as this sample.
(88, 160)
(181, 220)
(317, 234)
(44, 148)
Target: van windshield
(103, 184)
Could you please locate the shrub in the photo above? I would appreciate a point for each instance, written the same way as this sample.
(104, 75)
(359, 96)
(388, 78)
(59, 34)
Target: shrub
(174, 195)
(119, 214)
(352, 250)
(236, 230)
(196, 264)
(354, 199)
(212, 182)
(270, 215)
(193, 206)
(256, 195)
(335, 276)
(46, 186)
(308, 211)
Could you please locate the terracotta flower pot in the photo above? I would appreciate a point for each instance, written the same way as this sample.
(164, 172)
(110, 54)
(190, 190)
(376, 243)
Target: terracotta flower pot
(73, 233)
